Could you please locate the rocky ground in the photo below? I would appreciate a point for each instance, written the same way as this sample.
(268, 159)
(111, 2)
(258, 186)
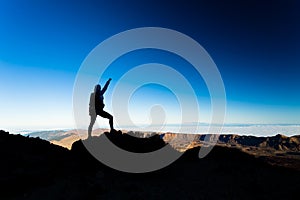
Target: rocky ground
(36, 169)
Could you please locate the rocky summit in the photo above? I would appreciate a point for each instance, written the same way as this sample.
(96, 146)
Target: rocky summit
(33, 168)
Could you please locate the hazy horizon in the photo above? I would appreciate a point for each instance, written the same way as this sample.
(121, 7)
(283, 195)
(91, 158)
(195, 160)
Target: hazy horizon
(239, 129)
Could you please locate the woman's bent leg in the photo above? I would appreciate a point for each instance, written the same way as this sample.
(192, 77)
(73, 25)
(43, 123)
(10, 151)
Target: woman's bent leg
(108, 116)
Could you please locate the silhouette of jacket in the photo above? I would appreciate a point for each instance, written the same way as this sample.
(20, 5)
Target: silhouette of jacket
(97, 100)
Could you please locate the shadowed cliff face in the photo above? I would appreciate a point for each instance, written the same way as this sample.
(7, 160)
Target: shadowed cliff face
(35, 169)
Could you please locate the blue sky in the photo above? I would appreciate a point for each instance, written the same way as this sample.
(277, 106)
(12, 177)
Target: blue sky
(255, 45)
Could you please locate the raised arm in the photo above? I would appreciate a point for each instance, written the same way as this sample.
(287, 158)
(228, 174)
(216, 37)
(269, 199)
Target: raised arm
(105, 87)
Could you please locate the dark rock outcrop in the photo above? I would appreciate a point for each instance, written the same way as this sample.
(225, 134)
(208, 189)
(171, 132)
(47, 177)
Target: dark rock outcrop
(126, 142)
(35, 169)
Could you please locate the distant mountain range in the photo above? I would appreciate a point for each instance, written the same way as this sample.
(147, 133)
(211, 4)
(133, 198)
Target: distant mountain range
(272, 144)
(278, 142)
(63, 138)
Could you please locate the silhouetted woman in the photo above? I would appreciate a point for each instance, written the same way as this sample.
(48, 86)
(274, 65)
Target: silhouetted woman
(97, 105)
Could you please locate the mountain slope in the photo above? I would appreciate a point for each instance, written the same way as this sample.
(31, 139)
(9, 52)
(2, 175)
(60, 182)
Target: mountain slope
(36, 169)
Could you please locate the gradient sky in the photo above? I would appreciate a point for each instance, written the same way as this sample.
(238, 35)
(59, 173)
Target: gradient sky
(255, 45)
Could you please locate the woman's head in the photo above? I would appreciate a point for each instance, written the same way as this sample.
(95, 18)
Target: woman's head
(97, 88)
